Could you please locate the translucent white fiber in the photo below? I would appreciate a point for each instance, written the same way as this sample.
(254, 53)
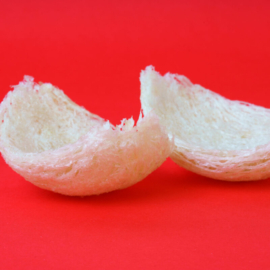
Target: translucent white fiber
(214, 136)
(60, 146)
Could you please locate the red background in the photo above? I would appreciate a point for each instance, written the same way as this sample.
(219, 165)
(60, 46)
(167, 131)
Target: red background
(94, 51)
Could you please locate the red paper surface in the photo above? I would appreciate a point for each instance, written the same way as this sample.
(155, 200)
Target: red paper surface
(94, 51)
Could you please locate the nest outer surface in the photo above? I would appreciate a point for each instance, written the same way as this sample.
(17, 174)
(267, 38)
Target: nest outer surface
(59, 146)
(214, 136)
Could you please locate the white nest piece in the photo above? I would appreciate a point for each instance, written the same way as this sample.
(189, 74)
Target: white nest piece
(59, 146)
(214, 136)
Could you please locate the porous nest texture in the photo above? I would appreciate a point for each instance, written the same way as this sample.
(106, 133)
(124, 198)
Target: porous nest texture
(59, 146)
(214, 136)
